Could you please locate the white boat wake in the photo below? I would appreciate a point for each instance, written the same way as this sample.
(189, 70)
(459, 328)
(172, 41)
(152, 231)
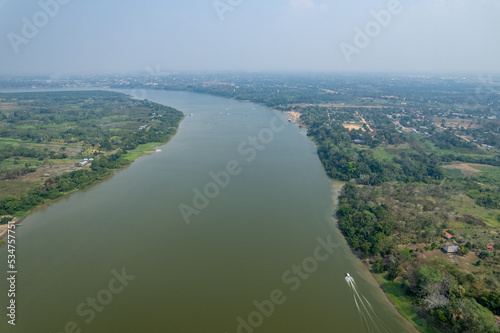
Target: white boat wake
(373, 322)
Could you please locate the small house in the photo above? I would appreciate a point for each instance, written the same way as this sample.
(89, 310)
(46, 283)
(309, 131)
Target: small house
(490, 247)
(448, 235)
(450, 249)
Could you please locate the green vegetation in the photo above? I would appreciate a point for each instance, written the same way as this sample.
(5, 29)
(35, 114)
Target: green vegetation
(60, 185)
(404, 303)
(377, 220)
(44, 138)
(141, 150)
(418, 157)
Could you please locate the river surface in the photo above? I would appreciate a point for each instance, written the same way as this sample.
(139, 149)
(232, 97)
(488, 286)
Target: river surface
(256, 255)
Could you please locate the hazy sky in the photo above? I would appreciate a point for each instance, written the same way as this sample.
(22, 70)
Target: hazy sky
(109, 36)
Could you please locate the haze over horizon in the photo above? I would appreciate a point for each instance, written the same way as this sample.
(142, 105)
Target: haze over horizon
(237, 35)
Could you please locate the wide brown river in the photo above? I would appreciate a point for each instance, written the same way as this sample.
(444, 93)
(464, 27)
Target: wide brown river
(228, 229)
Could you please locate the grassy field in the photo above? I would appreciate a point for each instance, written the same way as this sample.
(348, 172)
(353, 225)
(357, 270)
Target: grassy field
(465, 205)
(16, 186)
(9, 140)
(453, 173)
(488, 174)
(142, 150)
(380, 153)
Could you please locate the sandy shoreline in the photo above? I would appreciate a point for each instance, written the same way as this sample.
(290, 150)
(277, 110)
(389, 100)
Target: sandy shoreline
(3, 230)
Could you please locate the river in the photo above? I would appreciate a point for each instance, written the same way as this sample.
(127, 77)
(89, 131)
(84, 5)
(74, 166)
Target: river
(257, 250)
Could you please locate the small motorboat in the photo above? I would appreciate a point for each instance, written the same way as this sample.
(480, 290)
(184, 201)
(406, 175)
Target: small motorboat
(347, 275)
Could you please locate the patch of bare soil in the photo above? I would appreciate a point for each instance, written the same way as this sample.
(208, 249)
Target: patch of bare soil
(353, 127)
(294, 116)
(466, 169)
(472, 219)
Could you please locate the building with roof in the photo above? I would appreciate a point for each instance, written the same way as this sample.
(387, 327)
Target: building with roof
(450, 249)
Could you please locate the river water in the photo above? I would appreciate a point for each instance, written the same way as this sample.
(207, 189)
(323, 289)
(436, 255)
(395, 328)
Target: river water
(256, 251)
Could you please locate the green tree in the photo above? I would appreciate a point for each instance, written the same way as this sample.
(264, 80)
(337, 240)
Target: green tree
(483, 255)
(427, 274)
(378, 266)
(5, 220)
(491, 300)
(463, 250)
(472, 317)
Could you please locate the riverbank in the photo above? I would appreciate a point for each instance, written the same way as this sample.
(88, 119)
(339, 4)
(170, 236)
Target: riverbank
(402, 307)
(396, 298)
(131, 156)
(402, 265)
(402, 303)
(392, 291)
(65, 152)
(3, 234)
(412, 320)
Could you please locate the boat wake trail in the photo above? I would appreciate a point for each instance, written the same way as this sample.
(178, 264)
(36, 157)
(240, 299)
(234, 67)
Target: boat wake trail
(373, 323)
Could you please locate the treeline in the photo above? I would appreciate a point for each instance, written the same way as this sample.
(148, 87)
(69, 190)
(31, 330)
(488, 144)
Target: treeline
(10, 150)
(486, 197)
(57, 186)
(17, 170)
(493, 160)
(375, 219)
(160, 131)
(368, 229)
(344, 161)
(448, 140)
